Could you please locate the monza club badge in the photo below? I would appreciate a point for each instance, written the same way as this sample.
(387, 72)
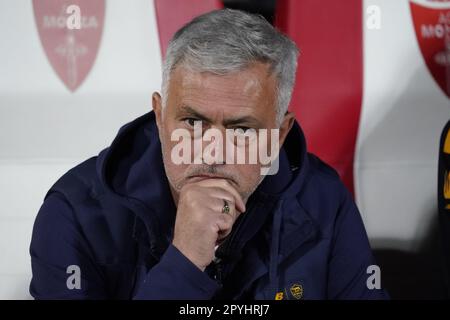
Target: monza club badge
(71, 50)
(432, 26)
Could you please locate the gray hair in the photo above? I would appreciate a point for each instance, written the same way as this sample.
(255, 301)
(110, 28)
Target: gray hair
(227, 40)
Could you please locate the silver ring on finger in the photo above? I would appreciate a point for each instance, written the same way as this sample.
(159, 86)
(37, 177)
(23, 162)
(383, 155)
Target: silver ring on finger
(226, 207)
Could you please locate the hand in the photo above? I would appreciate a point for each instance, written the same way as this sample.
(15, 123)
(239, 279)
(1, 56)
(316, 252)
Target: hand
(200, 224)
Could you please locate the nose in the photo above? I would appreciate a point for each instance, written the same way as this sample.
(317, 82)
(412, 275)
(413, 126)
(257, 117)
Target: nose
(213, 149)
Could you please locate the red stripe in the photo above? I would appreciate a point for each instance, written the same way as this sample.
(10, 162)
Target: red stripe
(328, 94)
(171, 15)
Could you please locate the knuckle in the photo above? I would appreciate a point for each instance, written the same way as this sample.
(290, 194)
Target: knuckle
(227, 219)
(225, 183)
(213, 228)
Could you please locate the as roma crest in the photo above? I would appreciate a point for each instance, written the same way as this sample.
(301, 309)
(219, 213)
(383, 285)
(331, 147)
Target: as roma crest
(70, 51)
(432, 26)
(297, 291)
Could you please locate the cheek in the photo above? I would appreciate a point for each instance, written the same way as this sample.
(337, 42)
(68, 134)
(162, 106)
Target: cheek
(176, 172)
(167, 132)
(248, 174)
(166, 142)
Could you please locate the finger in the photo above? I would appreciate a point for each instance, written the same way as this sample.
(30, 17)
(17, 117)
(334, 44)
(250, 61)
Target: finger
(223, 183)
(225, 224)
(229, 211)
(221, 195)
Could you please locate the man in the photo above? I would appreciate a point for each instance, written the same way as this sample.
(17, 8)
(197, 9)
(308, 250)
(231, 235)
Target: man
(135, 222)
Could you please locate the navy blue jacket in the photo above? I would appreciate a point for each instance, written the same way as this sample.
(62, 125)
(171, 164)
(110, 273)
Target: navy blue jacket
(113, 215)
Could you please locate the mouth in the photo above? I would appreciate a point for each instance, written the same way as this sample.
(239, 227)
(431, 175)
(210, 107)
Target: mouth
(200, 177)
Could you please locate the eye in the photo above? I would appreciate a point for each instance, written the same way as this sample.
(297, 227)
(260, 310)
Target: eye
(190, 121)
(242, 129)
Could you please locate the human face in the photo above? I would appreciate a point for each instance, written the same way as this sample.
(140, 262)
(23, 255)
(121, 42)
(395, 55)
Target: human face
(245, 99)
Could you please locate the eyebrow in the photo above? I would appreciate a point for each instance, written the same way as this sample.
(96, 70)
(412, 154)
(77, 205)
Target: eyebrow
(187, 110)
(232, 121)
(245, 119)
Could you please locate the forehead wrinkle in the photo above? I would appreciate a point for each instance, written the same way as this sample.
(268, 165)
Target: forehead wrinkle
(208, 103)
(207, 91)
(222, 85)
(234, 96)
(252, 76)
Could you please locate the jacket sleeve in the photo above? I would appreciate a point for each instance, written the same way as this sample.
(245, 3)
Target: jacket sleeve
(176, 277)
(352, 268)
(60, 253)
(62, 265)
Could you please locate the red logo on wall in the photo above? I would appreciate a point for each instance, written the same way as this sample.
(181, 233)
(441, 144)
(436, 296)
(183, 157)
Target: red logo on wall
(71, 52)
(432, 26)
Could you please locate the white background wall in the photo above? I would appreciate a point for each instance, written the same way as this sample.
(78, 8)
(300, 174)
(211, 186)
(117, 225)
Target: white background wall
(45, 129)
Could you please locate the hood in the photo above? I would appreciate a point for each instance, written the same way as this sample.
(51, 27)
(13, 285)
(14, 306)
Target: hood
(132, 171)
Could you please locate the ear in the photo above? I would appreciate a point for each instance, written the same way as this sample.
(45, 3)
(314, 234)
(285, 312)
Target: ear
(157, 108)
(286, 125)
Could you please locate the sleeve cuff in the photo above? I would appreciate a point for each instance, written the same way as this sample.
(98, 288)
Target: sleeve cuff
(176, 277)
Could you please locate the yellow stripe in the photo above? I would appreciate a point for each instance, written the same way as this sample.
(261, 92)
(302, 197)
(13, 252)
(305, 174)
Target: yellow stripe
(447, 143)
(446, 190)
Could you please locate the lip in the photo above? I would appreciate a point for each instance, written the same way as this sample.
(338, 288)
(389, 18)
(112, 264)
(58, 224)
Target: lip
(205, 176)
